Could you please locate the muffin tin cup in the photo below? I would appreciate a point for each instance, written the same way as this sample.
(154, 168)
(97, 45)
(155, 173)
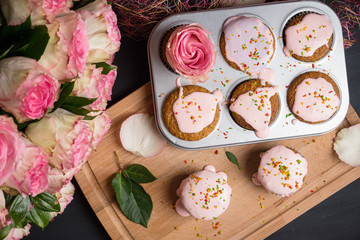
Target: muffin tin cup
(224, 78)
(295, 14)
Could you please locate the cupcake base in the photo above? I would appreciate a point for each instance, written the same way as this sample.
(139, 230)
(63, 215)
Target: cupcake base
(170, 120)
(292, 90)
(252, 85)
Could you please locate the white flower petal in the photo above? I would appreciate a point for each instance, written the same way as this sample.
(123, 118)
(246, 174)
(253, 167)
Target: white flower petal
(347, 145)
(139, 135)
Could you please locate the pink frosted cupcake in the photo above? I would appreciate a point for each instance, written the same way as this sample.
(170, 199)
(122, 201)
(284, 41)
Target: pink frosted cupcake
(204, 194)
(281, 171)
(188, 50)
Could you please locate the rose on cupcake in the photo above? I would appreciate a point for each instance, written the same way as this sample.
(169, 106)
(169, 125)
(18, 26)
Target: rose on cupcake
(190, 52)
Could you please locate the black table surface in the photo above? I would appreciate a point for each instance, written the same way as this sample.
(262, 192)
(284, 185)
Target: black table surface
(337, 217)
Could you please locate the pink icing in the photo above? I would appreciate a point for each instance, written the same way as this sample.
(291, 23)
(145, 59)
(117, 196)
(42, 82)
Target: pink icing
(255, 109)
(306, 37)
(282, 171)
(195, 111)
(268, 75)
(204, 194)
(315, 100)
(190, 52)
(255, 179)
(248, 43)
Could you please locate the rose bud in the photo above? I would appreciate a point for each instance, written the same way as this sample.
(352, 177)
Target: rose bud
(11, 148)
(68, 48)
(42, 11)
(48, 9)
(31, 178)
(95, 85)
(68, 139)
(102, 31)
(26, 90)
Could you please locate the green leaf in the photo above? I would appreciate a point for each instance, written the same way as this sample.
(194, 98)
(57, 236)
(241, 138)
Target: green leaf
(139, 205)
(38, 39)
(22, 224)
(87, 117)
(80, 4)
(6, 51)
(106, 67)
(79, 101)
(66, 89)
(19, 208)
(139, 174)
(17, 30)
(46, 202)
(39, 217)
(232, 158)
(75, 110)
(5, 231)
(122, 188)
(8, 199)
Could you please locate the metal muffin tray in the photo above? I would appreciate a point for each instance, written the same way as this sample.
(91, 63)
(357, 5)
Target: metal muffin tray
(225, 78)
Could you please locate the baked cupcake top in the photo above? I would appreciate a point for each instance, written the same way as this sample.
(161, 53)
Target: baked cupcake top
(195, 111)
(249, 43)
(204, 194)
(315, 100)
(190, 52)
(308, 35)
(281, 171)
(255, 108)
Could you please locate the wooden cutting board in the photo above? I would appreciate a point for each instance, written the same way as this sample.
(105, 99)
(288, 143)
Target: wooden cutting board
(253, 213)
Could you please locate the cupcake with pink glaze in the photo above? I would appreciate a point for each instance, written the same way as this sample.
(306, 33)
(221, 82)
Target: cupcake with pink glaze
(188, 50)
(204, 194)
(313, 97)
(192, 112)
(281, 171)
(308, 37)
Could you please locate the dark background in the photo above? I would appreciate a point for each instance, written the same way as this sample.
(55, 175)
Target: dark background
(338, 217)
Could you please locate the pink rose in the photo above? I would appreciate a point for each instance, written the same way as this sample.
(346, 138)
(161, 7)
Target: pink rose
(99, 126)
(95, 85)
(4, 212)
(11, 148)
(45, 11)
(31, 178)
(66, 137)
(101, 24)
(190, 52)
(26, 89)
(18, 233)
(68, 47)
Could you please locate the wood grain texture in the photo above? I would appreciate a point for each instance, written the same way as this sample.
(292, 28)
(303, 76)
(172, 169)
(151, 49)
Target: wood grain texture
(253, 213)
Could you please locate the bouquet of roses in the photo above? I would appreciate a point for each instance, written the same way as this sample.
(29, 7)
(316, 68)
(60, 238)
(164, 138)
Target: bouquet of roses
(55, 80)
